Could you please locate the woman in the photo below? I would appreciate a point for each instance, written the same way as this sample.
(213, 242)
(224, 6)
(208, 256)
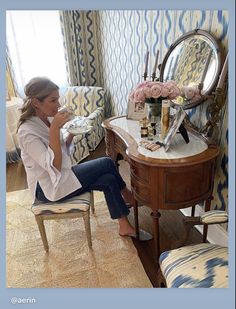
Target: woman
(45, 156)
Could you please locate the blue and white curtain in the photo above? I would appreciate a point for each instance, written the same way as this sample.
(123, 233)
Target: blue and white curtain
(81, 47)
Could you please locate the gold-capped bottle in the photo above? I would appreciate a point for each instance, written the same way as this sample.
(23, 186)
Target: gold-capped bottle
(165, 117)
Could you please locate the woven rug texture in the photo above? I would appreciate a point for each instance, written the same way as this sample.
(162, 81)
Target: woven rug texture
(112, 263)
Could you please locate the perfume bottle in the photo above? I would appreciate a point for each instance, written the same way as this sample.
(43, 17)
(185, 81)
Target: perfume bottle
(150, 133)
(144, 127)
(153, 125)
(165, 117)
(144, 131)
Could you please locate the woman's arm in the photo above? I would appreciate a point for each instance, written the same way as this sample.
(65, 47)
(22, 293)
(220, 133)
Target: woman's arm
(54, 137)
(69, 139)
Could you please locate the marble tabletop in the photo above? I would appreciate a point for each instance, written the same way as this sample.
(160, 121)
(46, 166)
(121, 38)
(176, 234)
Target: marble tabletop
(178, 148)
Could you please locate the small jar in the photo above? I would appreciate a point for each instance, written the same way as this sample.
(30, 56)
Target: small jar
(150, 133)
(153, 125)
(144, 131)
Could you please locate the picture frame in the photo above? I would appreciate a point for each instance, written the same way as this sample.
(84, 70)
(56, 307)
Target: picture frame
(136, 110)
(174, 126)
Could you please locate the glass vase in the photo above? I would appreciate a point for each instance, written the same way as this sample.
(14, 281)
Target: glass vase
(154, 113)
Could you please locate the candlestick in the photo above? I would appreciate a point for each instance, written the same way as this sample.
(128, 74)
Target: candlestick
(223, 73)
(206, 67)
(146, 63)
(155, 64)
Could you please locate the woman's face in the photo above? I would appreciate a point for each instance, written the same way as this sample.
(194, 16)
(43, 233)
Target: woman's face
(49, 106)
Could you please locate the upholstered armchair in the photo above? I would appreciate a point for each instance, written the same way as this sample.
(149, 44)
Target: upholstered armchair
(202, 265)
(85, 101)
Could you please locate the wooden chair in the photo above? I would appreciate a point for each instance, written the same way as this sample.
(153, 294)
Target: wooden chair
(75, 207)
(202, 265)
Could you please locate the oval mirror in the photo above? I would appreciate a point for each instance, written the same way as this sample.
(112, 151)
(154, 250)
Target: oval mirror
(194, 63)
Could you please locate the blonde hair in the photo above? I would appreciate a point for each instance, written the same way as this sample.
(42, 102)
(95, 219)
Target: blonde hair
(39, 88)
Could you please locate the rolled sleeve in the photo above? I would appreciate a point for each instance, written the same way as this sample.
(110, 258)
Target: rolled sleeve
(71, 146)
(54, 174)
(41, 153)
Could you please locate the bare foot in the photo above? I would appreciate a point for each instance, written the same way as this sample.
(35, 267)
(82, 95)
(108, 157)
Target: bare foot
(126, 228)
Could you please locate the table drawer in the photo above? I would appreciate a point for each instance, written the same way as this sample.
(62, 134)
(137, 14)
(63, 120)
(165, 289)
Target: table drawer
(119, 145)
(140, 190)
(140, 172)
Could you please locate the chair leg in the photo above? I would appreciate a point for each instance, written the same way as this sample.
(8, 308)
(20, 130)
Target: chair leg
(92, 202)
(86, 218)
(42, 231)
(160, 279)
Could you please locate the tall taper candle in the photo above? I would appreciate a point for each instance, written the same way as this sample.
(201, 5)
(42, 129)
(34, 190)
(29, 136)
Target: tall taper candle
(223, 73)
(206, 66)
(156, 63)
(146, 63)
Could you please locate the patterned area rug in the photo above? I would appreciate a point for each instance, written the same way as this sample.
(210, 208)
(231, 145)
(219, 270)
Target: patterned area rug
(112, 263)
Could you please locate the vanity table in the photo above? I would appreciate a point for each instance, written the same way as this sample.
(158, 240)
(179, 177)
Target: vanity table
(179, 178)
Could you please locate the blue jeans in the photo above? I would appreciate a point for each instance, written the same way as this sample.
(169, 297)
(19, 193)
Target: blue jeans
(98, 175)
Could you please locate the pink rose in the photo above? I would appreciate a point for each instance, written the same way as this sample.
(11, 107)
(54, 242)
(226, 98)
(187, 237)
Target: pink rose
(147, 91)
(189, 92)
(171, 82)
(166, 90)
(156, 90)
(150, 84)
(175, 92)
(139, 95)
(143, 84)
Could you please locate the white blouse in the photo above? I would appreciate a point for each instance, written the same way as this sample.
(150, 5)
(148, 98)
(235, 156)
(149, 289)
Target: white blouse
(37, 157)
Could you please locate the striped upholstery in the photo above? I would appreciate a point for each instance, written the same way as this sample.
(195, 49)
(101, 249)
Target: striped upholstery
(84, 100)
(74, 204)
(214, 216)
(196, 266)
(89, 102)
(96, 135)
(81, 149)
(73, 208)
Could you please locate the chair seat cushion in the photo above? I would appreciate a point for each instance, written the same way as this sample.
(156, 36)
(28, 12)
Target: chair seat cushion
(196, 266)
(74, 204)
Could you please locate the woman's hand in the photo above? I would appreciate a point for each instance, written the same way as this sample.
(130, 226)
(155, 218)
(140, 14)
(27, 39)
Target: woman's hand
(60, 119)
(54, 137)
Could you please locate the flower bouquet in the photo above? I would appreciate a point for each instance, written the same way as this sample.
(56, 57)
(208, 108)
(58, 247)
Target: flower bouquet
(152, 94)
(150, 91)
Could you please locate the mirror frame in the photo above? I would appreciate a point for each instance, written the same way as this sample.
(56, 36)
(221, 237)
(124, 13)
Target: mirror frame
(218, 55)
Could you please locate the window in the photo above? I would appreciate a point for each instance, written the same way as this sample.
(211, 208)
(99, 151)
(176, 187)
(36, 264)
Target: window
(35, 46)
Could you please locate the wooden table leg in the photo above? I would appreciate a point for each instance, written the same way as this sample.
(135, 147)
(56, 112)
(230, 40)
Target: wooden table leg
(193, 211)
(136, 225)
(156, 215)
(139, 233)
(205, 227)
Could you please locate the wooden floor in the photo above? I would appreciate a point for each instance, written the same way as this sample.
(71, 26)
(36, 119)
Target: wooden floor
(171, 227)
